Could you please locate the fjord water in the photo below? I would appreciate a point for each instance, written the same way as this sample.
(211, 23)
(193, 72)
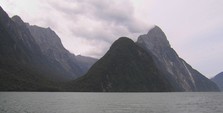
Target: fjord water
(47, 102)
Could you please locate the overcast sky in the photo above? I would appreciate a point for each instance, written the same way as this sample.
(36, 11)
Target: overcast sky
(194, 28)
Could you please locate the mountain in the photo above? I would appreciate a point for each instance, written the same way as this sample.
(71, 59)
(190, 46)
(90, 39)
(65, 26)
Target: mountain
(33, 58)
(180, 74)
(22, 65)
(51, 46)
(148, 65)
(218, 79)
(126, 67)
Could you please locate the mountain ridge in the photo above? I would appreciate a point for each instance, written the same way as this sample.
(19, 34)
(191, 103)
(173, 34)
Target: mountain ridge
(23, 64)
(17, 53)
(28, 62)
(127, 58)
(51, 46)
(125, 67)
(182, 75)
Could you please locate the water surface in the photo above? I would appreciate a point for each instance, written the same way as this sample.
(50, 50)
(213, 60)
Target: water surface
(48, 102)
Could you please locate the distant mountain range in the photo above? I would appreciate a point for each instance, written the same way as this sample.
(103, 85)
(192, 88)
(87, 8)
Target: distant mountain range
(218, 79)
(33, 59)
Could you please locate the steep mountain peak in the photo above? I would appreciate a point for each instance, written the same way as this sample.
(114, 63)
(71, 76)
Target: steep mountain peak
(17, 19)
(46, 37)
(154, 39)
(182, 75)
(123, 45)
(2, 12)
(51, 46)
(157, 35)
(125, 67)
(4, 18)
(122, 41)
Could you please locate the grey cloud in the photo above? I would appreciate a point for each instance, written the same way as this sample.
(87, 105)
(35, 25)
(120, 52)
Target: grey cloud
(101, 21)
(97, 20)
(97, 53)
(120, 13)
(99, 33)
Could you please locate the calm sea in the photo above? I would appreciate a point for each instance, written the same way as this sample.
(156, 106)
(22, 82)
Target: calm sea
(47, 102)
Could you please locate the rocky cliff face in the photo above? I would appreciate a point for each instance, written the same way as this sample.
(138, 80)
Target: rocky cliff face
(22, 65)
(149, 65)
(126, 67)
(51, 46)
(182, 76)
(218, 79)
(33, 58)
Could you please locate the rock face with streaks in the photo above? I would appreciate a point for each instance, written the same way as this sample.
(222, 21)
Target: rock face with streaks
(182, 76)
(51, 46)
(33, 58)
(149, 65)
(23, 67)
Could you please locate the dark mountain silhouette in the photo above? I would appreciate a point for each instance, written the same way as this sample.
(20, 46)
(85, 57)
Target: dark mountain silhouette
(126, 67)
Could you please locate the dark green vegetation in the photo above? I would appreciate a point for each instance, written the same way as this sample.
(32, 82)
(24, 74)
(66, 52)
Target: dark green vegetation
(125, 67)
